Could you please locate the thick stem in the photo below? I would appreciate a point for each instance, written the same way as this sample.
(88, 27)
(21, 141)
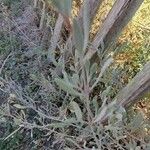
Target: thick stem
(90, 116)
(43, 15)
(118, 17)
(35, 4)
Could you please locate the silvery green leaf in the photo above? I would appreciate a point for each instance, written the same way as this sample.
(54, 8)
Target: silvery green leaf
(67, 87)
(77, 110)
(119, 116)
(108, 62)
(75, 79)
(70, 120)
(33, 77)
(138, 148)
(87, 67)
(63, 124)
(78, 36)
(19, 106)
(95, 105)
(65, 76)
(67, 148)
(93, 69)
(105, 92)
(63, 6)
(122, 110)
(55, 38)
(71, 141)
(17, 121)
(58, 125)
(101, 114)
(104, 68)
(86, 22)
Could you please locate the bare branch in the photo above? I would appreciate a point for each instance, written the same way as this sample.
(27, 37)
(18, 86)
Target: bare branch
(118, 17)
(139, 86)
(136, 88)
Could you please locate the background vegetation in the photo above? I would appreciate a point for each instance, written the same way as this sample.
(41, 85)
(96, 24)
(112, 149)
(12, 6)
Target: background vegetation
(42, 103)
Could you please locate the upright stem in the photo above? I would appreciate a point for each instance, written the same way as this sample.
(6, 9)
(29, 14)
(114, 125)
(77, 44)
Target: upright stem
(90, 116)
(43, 15)
(35, 4)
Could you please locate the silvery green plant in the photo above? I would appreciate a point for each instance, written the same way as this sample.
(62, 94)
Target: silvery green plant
(83, 75)
(78, 122)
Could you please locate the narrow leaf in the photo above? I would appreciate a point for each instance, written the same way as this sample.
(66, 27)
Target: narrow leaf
(66, 86)
(73, 142)
(93, 69)
(101, 115)
(10, 135)
(105, 93)
(86, 22)
(19, 106)
(77, 110)
(57, 125)
(55, 38)
(63, 6)
(106, 65)
(78, 36)
(104, 68)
